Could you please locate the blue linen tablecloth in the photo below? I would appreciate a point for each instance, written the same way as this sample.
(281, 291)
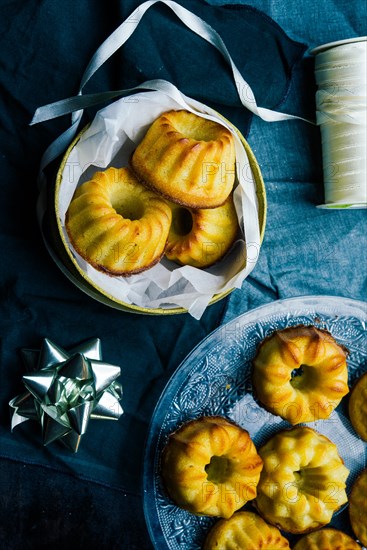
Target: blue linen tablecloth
(45, 494)
(306, 250)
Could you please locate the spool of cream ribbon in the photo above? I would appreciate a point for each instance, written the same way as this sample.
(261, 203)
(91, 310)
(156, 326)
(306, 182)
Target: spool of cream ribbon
(341, 113)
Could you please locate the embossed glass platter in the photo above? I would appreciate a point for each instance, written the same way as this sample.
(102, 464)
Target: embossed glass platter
(215, 379)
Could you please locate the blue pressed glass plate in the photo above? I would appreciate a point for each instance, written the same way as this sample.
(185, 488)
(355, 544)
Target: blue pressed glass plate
(215, 379)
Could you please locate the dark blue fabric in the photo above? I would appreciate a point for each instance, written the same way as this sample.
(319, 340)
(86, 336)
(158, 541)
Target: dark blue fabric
(45, 46)
(306, 251)
(45, 498)
(37, 300)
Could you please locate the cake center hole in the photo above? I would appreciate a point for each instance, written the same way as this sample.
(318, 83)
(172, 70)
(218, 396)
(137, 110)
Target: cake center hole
(198, 128)
(298, 375)
(129, 208)
(182, 221)
(218, 469)
(300, 479)
(297, 372)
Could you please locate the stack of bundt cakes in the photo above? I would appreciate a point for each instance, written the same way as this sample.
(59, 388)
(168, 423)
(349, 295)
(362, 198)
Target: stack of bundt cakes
(116, 224)
(358, 507)
(188, 159)
(295, 482)
(201, 237)
(210, 466)
(245, 531)
(300, 468)
(174, 199)
(300, 373)
(327, 539)
(358, 407)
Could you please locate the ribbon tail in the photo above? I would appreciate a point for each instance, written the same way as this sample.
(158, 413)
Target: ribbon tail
(54, 150)
(80, 102)
(71, 104)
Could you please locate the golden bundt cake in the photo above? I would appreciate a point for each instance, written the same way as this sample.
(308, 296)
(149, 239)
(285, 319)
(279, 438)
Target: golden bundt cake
(244, 531)
(358, 407)
(188, 159)
(358, 507)
(201, 237)
(116, 224)
(326, 539)
(302, 482)
(300, 373)
(210, 467)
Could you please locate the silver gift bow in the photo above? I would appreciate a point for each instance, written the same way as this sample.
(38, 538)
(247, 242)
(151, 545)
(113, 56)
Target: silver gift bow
(65, 389)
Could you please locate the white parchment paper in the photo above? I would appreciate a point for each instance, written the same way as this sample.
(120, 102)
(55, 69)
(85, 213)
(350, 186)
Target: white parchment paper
(109, 141)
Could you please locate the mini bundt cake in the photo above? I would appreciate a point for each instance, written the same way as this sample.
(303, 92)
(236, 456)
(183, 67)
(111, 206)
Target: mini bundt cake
(326, 539)
(244, 531)
(302, 482)
(300, 373)
(210, 467)
(187, 159)
(358, 407)
(116, 224)
(201, 237)
(358, 507)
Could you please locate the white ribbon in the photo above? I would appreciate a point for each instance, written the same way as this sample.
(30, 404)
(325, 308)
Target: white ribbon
(77, 104)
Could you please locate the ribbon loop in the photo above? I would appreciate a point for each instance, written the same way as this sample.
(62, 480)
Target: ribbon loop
(77, 104)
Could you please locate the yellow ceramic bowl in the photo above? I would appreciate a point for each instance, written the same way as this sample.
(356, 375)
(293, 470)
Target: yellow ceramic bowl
(60, 251)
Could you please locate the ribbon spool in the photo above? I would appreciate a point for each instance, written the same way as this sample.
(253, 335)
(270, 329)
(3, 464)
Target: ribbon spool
(341, 113)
